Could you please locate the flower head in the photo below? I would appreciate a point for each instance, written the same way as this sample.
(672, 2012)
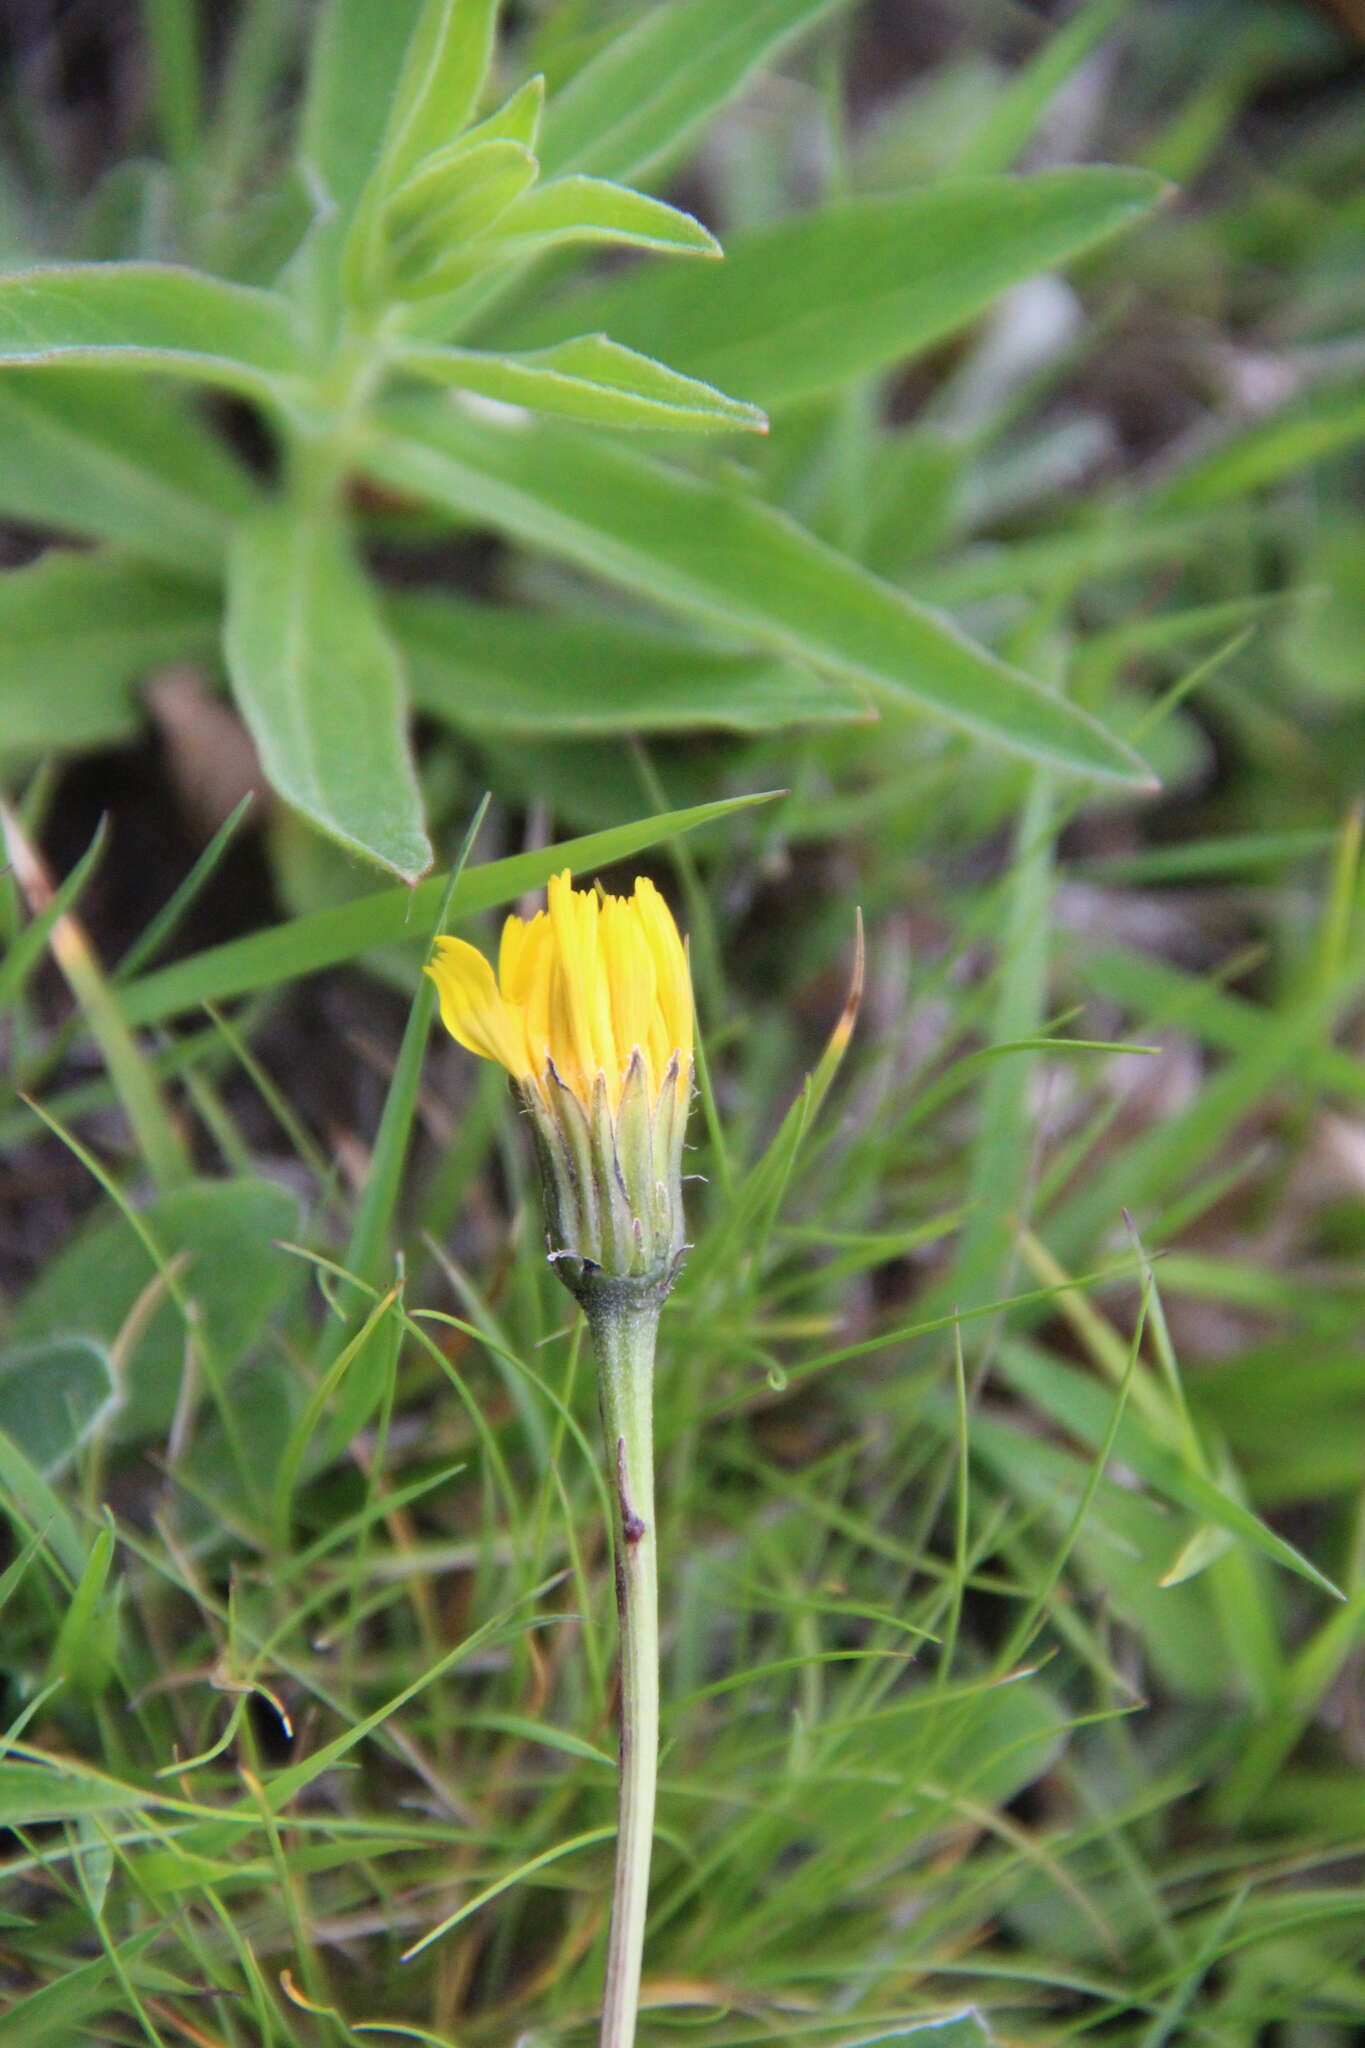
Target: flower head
(591, 1014)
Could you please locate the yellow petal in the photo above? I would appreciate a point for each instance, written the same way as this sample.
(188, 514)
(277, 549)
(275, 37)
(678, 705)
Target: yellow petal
(630, 976)
(573, 921)
(673, 982)
(472, 1009)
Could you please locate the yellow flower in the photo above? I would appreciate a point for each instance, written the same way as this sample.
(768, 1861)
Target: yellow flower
(591, 1015)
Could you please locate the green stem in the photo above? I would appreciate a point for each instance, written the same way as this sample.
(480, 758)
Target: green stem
(623, 1338)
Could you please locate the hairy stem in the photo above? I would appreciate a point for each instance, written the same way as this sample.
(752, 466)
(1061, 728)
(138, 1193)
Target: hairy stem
(624, 1342)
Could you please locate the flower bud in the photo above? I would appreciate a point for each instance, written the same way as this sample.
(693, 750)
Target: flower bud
(591, 1014)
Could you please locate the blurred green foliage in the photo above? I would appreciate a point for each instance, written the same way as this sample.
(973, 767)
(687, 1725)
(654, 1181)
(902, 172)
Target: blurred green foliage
(1012, 1409)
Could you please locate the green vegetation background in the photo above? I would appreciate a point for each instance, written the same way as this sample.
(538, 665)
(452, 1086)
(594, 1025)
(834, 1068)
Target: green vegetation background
(1012, 1405)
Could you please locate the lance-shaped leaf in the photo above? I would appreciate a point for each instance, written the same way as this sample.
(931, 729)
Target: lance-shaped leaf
(321, 686)
(354, 65)
(54, 1396)
(459, 191)
(803, 304)
(495, 668)
(455, 195)
(518, 119)
(224, 1233)
(581, 209)
(589, 378)
(152, 316)
(648, 92)
(713, 551)
(438, 89)
(114, 458)
(76, 632)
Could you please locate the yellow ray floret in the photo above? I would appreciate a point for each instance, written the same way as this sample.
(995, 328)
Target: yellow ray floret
(583, 985)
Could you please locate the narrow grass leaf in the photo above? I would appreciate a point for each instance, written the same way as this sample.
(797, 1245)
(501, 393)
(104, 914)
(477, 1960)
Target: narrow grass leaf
(28, 947)
(367, 1253)
(1326, 423)
(50, 2014)
(523, 1870)
(1152, 1167)
(1083, 1407)
(1001, 1155)
(84, 1650)
(1022, 104)
(172, 30)
(955, 2030)
(285, 1785)
(303, 945)
(139, 1093)
(158, 932)
(289, 1467)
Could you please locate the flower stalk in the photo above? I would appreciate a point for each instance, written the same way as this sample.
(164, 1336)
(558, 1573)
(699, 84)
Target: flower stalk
(623, 1340)
(591, 1014)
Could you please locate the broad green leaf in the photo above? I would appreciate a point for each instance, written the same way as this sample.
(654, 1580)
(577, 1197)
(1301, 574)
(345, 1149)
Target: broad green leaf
(804, 303)
(53, 1396)
(151, 316)
(588, 378)
(325, 937)
(1004, 1739)
(321, 687)
(710, 550)
(77, 633)
(578, 209)
(29, 1503)
(103, 455)
(227, 1232)
(492, 668)
(438, 88)
(651, 89)
(357, 57)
